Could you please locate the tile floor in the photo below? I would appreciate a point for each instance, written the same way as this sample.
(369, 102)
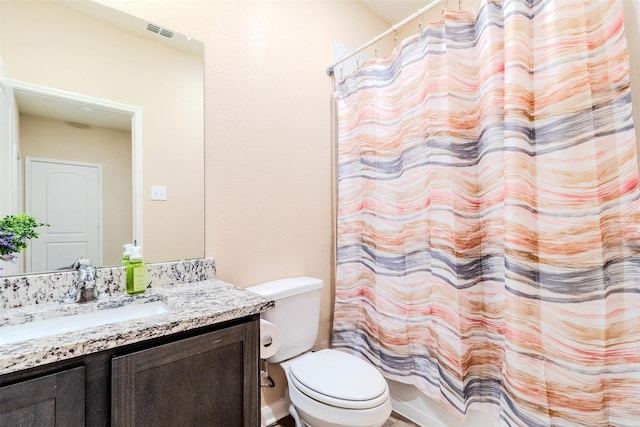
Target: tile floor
(394, 420)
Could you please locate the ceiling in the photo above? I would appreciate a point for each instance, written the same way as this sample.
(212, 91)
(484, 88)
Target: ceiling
(73, 112)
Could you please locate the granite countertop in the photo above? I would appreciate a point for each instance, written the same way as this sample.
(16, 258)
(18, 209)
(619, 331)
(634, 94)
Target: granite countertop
(192, 305)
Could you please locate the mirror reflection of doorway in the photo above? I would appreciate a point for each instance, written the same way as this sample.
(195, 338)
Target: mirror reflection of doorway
(68, 196)
(54, 124)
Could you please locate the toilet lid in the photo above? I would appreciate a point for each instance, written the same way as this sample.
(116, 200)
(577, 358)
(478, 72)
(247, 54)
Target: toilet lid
(339, 379)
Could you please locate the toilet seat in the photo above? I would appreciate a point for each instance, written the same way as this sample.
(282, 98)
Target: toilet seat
(339, 379)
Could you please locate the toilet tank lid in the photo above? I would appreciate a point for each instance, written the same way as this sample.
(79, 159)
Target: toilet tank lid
(284, 288)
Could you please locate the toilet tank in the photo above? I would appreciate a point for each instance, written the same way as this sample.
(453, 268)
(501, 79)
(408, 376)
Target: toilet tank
(296, 314)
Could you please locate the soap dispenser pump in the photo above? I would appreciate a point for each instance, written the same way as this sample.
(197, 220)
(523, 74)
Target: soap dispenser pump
(136, 272)
(126, 255)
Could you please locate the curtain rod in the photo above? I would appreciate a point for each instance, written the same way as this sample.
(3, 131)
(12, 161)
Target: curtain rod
(393, 28)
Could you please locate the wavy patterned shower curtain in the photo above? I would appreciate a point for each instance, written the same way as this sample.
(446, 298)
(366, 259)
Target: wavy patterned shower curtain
(488, 249)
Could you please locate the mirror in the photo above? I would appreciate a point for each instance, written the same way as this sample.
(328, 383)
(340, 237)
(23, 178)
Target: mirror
(124, 97)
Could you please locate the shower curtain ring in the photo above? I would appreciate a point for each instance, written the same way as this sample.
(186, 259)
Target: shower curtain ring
(459, 4)
(444, 6)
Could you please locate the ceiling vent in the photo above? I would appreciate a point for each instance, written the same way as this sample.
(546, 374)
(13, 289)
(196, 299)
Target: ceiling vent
(159, 30)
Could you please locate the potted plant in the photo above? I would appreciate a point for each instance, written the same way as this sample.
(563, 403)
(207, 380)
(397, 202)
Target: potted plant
(15, 232)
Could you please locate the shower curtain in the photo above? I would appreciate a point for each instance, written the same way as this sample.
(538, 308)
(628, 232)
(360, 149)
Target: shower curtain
(488, 211)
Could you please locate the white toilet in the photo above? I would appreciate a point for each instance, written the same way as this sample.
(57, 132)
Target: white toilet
(327, 388)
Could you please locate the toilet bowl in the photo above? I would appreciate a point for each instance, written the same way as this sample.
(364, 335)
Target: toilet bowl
(331, 388)
(326, 388)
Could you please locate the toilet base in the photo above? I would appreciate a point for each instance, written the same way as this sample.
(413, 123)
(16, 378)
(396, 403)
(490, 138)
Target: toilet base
(294, 414)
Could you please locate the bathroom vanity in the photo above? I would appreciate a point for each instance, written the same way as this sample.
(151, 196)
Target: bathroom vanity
(183, 379)
(196, 364)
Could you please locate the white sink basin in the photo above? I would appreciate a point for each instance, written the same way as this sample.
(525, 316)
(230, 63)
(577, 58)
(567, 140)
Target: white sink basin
(63, 324)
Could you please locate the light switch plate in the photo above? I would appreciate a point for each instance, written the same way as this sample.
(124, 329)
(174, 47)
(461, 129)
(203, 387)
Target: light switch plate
(158, 192)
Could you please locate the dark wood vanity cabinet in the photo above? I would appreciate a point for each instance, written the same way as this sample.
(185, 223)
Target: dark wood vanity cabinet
(50, 400)
(204, 377)
(197, 381)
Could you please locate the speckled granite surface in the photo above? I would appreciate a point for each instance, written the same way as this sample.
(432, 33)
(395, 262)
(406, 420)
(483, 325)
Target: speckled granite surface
(17, 291)
(193, 303)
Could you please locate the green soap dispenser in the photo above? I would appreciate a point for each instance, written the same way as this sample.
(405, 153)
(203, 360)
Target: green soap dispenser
(136, 272)
(128, 250)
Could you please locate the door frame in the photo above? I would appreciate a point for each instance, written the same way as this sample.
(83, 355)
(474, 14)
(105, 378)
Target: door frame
(136, 136)
(10, 166)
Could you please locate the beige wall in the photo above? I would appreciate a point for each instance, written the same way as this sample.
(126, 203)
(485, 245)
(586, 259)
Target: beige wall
(46, 44)
(54, 139)
(268, 149)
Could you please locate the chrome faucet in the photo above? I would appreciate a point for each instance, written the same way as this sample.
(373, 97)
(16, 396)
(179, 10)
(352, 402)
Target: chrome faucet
(85, 285)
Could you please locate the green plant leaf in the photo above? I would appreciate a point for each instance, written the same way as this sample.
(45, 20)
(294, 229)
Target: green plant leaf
(22, 227)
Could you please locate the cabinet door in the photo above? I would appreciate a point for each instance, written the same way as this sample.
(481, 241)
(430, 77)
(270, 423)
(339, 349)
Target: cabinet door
(207, 380)
(51, 400)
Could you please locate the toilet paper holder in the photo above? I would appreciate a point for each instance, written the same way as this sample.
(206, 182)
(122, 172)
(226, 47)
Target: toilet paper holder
(265, 378)
(269, 339)
(266, 341)
(269, 345)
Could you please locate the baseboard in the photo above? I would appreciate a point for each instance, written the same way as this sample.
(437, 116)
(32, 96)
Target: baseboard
(274, 412)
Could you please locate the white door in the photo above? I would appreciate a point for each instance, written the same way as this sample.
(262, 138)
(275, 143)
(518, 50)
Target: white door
(67, 196)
